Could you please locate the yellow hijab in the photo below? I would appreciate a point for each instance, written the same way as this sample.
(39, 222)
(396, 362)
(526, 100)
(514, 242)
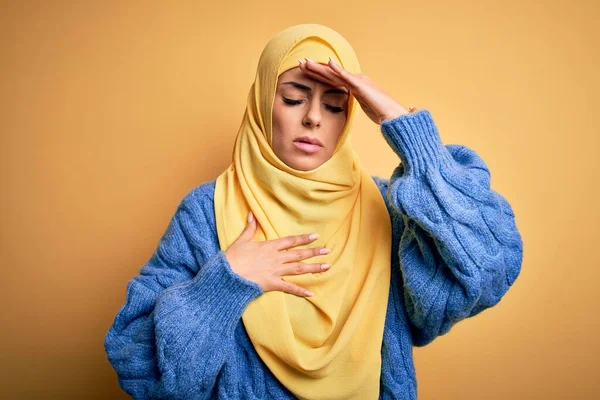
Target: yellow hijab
(326, 346)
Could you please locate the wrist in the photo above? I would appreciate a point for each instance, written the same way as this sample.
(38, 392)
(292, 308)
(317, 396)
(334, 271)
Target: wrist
(397, 112)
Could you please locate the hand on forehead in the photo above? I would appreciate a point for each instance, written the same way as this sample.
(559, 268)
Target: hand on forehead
(327, 73)
(305, 81)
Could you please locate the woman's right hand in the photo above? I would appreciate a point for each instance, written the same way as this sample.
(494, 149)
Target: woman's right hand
(264, 262)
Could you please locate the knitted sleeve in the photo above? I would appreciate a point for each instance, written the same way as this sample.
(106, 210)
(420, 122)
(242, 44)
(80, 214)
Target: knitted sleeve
(173, 334)
(458, 245)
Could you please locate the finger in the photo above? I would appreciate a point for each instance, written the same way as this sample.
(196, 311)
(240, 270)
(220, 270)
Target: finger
(332, 75)
(346, 76)
(250, 228)
(293, 241)
(302, 254)
(322, 73)
(292, 288)
(303, 268)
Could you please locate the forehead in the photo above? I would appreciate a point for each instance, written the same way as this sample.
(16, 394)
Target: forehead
(298, 75)
(295, 72)
(296, 79)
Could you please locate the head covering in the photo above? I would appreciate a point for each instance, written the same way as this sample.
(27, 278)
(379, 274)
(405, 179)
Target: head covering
(327, 346)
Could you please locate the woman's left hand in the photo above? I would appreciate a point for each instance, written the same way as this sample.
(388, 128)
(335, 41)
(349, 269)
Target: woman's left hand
(377, 104)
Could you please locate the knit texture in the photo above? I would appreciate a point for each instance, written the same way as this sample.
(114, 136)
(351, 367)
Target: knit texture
(456, 251)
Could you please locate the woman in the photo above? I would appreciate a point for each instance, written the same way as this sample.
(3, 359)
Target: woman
(221, 309)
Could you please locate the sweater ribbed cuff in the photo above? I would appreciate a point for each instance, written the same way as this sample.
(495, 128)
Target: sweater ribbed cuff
(220, 294)
(415, 139)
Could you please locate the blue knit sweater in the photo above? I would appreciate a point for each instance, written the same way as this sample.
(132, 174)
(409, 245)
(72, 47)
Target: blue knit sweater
(456, 251)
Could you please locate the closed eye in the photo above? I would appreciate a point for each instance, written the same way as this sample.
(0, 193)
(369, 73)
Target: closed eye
(333, 109)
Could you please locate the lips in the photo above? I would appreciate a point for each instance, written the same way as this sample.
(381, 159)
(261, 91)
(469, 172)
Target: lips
(307, 147)
(309, 140)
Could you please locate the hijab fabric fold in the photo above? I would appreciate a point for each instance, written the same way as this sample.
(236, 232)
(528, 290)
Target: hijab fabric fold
(327, 346)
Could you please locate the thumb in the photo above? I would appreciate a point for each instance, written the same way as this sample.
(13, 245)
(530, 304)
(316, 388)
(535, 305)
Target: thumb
(250, 229)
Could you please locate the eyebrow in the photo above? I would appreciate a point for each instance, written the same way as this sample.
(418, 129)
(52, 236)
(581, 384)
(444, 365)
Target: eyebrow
(300, 86)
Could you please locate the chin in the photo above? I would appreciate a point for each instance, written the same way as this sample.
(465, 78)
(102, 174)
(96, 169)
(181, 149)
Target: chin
(303, 164)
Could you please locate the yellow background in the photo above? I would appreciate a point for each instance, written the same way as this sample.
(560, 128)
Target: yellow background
(110, 112)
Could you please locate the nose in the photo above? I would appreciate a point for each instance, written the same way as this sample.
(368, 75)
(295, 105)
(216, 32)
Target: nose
(313, 115)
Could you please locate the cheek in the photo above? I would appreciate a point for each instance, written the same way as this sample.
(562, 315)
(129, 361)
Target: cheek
(339, 126)
(281, 129)
(284, 120)
(279, 115)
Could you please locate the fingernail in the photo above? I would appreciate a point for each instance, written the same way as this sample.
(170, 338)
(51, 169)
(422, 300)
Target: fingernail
(325, 266)
(313, 236)
(325, 250)
(308, 293)
(331, 59)
(250, 216)
(299, 61)
(308, 59)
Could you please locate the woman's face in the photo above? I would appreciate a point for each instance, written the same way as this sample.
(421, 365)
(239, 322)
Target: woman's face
(306, 109)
